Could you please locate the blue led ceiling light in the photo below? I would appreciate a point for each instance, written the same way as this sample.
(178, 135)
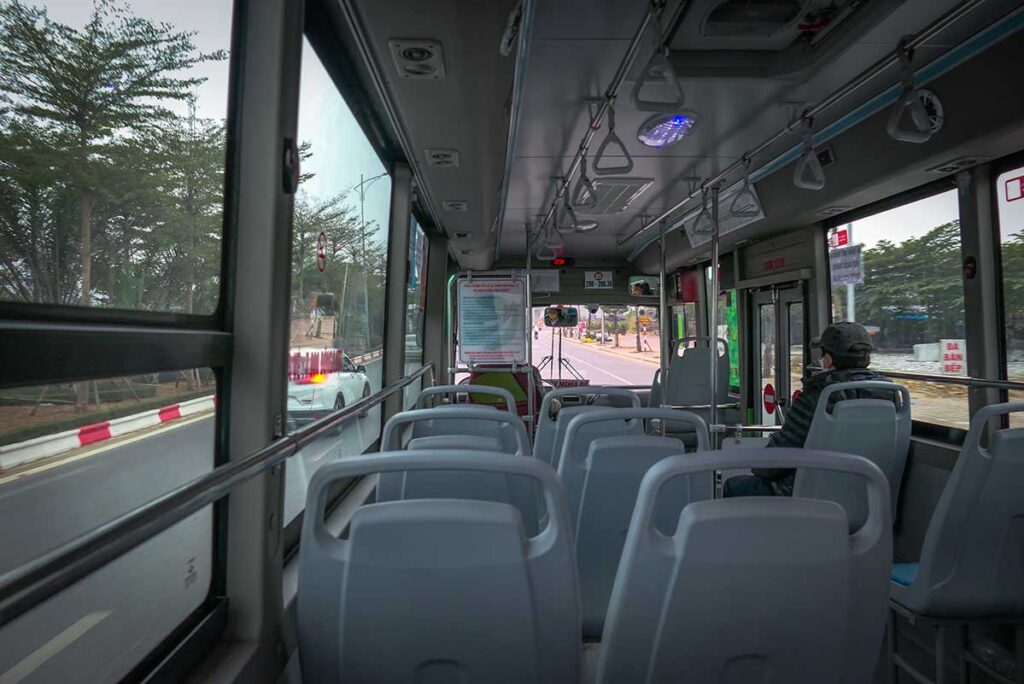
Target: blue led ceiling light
(668, 128)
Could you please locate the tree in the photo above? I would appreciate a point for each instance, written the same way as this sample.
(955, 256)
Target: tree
(89, 90)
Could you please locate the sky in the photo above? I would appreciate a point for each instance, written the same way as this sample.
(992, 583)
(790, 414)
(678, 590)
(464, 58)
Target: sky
(340, 149)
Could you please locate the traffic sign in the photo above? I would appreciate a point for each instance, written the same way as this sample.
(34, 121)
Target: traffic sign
(321, 251)
(1015, 189)
(769, 398)
(645, 320)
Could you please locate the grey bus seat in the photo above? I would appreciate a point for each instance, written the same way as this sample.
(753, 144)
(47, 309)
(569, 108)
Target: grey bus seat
(601, 477)
(438, 590)
(687, 381)
(972, 559)
(548, 442)
(876, 428)
(442, 390)
(459, 426)
(518, 491)
(753, 589)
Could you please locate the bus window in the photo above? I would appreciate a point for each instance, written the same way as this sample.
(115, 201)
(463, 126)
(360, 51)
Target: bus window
(1010, 200)
(613, 345)
(909, 296)
(74, 456)
(113, 202)
(415, 303)
(339, 258)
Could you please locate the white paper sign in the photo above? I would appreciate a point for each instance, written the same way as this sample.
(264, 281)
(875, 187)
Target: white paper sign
(847, 265)
(954, 356)
(492, 321)
(545, 280)
(597, 280)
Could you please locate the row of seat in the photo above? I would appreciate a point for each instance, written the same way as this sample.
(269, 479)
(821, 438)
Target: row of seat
(603, 455)
(442, 590)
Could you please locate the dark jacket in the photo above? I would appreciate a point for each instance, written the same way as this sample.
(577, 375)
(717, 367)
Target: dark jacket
(801, 413)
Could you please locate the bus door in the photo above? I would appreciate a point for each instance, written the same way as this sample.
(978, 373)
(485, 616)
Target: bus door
(779, 352)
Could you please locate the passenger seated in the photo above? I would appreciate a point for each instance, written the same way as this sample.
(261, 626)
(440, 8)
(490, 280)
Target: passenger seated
(845, 357)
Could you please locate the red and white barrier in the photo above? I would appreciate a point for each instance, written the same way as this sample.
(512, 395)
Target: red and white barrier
(12, 455)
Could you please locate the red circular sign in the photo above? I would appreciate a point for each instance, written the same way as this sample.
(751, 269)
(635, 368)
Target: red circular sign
(321, 251)
(769, 398)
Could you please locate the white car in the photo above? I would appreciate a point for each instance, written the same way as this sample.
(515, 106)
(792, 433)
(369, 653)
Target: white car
(321, 381)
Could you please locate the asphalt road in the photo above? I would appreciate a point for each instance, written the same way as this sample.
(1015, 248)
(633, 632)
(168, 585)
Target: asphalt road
(600, 367)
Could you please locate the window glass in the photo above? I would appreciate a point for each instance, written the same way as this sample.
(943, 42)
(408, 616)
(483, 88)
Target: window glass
(1010, 192)
(112, 165)
(686, 320)
(766, 330)
(339, 266)
(909, 297)
(796, 345)
(415, 303)
(76, 456)
(615, 345)
(728, 330)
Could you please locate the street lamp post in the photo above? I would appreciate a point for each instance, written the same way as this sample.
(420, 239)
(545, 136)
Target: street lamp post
(363, 184)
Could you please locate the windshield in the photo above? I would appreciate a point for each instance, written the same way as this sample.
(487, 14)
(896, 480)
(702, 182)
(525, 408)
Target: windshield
(610, 345)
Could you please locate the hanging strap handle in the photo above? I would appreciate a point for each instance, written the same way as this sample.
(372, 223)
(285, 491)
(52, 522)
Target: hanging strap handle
(750, 207)
(610, 139)
(658, 70)
(569, 213)
(703, 225)
(552, 241)
(909, 100)
(584, 188)
(808, 174)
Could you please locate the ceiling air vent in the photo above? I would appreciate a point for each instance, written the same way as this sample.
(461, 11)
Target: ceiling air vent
(455, 205)
(462, 236)
(958, 164)
(614, 195)
(417, 58)
(442, 159)
(833, 211)
(761, 18)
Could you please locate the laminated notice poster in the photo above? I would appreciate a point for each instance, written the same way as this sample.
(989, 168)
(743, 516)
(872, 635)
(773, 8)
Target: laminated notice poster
(492, 321)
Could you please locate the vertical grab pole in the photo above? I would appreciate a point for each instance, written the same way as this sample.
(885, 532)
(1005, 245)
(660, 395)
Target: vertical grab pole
(713, 323)
(663, 314)
(529, 337)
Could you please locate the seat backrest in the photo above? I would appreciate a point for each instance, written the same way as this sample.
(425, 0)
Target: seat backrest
(688, 380)
(869, 418)
(500, 393)
(972, 560)
(654, 398)
(601, 489)
(506, 429)
(438, 591)
(751, 589)
(548, 443)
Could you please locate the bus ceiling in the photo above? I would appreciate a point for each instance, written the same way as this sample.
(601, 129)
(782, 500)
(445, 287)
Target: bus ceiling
(584, 126)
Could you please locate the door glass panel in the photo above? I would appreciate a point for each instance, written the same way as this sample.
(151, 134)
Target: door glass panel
(1010, 194)
(728, 330)
(766, 335)
(795, 360)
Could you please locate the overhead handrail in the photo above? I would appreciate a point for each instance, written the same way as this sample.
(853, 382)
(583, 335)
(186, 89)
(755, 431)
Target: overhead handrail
(611, 138)
(32, 583)
(654, 11)
(752, 207)
(928, 33)
(909, 100)
(584, 188)
(808, 162)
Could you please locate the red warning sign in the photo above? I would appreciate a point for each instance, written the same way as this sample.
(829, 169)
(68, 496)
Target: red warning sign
(1015, 189)
(769, 398)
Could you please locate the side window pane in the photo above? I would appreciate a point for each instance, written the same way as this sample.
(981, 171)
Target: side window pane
(112, 166)
(728, 330)
(909, 297)
(415, 302)
(76, 456)
(339, 260)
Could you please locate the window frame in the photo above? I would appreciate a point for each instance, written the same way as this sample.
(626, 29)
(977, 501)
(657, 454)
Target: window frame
(996, 169)
(67, 343)
(920, 428)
